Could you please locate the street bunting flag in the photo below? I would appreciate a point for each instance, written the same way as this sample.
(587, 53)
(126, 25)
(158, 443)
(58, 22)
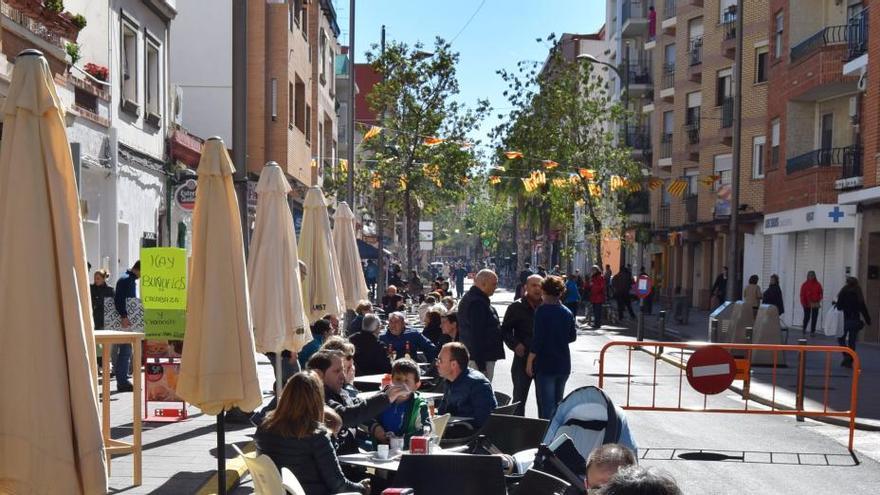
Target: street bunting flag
(635, 187)
(595, 189)
(402, 184)
(343, 165)
(494, 179)
(586, 173)
(677, 187)
(654, 183)
(709, 180)
(617, 182)
(433, 141)
(549, 164)
(513, 154)
(376, 181)
(373, 132)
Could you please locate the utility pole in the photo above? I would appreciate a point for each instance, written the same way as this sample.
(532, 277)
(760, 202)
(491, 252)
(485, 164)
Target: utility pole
(380, 210)
(239, 113)
(734, 277)
(351, 105)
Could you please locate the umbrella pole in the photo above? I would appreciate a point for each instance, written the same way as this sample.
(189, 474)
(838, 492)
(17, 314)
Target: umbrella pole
(221, 453)
(278, 385)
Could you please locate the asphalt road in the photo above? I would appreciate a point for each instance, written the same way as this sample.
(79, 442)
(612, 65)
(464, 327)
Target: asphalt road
(710, 453)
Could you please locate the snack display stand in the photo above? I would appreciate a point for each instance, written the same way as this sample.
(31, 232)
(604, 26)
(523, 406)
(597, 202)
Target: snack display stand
(161, 367)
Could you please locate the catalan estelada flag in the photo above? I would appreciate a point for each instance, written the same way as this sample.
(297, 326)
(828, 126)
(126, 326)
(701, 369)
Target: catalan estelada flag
(677, 188)
(511, 155)
(373, 132)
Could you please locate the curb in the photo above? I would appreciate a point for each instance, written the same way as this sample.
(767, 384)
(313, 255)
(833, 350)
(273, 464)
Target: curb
(235, 469)
(859, 425)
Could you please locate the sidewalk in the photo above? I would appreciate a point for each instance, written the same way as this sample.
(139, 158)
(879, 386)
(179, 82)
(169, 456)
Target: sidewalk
(868, 409)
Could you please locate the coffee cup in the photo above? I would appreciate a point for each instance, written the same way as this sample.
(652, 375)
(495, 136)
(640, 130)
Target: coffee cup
(382, 451)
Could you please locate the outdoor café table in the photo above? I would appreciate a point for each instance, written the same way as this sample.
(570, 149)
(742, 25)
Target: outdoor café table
(106, 338)
(370, 461)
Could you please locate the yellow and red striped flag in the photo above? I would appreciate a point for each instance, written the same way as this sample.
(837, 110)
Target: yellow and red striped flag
(433, 141)
(513, 154)
(373, 132)
(375, 181)
(494, 179)
(654, 183)
(586, 173)
(709, 180)
(549, 164)
(677, 187)
(595, 189)
(617, 182)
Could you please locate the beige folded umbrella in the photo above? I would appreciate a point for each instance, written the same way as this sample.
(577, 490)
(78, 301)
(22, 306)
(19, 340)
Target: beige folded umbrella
(323, 293)
(350, 269)
(218, 370)
(50, 429)
(280, 321)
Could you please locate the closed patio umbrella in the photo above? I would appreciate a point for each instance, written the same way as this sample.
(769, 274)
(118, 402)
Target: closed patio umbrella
(218, 370)
(50, 428)
(350, 268)
(323, 293)
(280, 323)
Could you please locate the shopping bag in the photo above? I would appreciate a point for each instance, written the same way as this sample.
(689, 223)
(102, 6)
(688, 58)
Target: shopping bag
(832, 325)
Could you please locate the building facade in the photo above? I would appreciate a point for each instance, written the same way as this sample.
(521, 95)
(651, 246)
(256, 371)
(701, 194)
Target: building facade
(324, 46)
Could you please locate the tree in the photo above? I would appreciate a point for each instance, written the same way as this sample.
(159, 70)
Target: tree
(423, 158)
(565, 113)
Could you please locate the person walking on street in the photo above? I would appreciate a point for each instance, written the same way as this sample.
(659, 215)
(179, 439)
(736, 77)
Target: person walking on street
(371, 274)
(773, 294)
(126, 288)
(523, 275)
(100, 291)
(549, 359)
(572, 294)
(811, 300)
(597, 295)
(752, 294)
(851, 301)
(478, 325)
(517, 330)
(621, 283)
(460, 273)
(719, 288)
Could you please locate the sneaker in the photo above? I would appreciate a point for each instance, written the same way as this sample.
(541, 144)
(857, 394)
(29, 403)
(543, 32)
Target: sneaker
(124, 387)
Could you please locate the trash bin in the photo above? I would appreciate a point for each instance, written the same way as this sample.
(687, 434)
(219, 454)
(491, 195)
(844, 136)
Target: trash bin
(719, 322)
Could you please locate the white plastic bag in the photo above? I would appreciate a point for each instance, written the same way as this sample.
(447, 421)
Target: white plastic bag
(832, 325)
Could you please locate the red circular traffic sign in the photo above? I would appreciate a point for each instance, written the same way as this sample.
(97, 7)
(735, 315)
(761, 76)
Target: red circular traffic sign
(644, 285)
(710, 370)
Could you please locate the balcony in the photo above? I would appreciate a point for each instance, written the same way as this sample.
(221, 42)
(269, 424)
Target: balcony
(851, 174)
(849, 157)
(667, 91)
(695, 59)
(690, 206)
(665, 146)
(638, 75)
(662, 220)
(637, 137)
(638, 203)
(669, 19)
(634, 18)
(728, 27)
(725, 132)
(827, 36)
(48, 33)
(692, 131)
(857, 35)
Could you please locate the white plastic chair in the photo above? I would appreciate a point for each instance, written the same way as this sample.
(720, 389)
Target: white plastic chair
(438, 425)
(267, 479)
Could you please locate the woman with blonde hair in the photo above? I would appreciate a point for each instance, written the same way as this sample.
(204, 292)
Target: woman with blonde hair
(294, 436)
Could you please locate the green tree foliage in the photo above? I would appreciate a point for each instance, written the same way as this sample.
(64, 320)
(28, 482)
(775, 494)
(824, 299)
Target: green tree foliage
(565, 112)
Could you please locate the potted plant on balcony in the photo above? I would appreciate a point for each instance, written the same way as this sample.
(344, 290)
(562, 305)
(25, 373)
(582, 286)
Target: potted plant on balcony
(30, 8)
(99, 72)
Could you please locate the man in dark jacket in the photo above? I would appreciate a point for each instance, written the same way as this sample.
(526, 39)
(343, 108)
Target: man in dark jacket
(126, 288)
(620, 286)
(468, 393)
(353, 411)
(523, 275)
(517, 331)
(478, 324)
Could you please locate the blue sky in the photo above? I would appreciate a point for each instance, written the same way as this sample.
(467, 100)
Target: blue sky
(501, 33)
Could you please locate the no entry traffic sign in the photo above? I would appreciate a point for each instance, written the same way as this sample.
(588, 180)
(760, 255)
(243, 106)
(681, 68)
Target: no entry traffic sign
(710, 370)
(644, 285)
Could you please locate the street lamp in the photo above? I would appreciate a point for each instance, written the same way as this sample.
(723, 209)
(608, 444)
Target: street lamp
(623, 76)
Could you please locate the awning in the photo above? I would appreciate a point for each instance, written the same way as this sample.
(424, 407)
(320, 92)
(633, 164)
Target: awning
(366, 251)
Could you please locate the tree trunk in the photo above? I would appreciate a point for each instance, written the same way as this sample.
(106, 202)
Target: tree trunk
(545, 228)
(407, 237)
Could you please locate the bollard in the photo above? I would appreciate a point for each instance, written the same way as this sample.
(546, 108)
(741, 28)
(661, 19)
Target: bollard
(640, 323)
(802, 375)
(749, 331)
(661, 328)
(713, 329)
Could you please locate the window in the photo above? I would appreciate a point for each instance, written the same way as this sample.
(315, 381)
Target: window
(322, 56)
(777, 38)
(669, 53)
(300, 105)
(726, 10)
(152, 78)
(332, 61)
(665, 198)
(774, 141)
(668, 122)
(723, 87)
(308, 130)
(295, 13)
(761, 55)
(723, 166)
(694, 100)
(692, 176)
(129, 63)
(758, 157)
(290, 114)
(304, 19)
(291, 15)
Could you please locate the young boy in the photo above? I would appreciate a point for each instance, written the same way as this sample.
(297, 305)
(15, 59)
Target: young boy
(406, 418)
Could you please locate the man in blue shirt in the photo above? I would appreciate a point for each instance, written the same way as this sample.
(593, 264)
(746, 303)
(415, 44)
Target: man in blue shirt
(468, 393)
(398, 336)
(126, 288)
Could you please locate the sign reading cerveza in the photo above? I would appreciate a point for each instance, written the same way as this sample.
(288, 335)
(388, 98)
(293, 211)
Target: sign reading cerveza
(163, 291)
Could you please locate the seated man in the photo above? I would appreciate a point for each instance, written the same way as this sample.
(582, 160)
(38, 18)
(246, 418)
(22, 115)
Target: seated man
(321, 330)
(604, 462)
(392, 301)
(337, 343)
(407, 418)
(370, 355)
(468, 393)
(353, 411)
(406, 341)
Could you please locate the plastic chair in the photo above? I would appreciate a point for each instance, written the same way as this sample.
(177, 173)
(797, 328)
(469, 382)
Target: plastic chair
(502, 399)
(508, 409)
(267, 479)
(451, 473)
(512, 434)
(536, 482)
(438, 425)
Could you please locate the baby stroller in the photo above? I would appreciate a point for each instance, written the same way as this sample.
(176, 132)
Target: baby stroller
(584, 420)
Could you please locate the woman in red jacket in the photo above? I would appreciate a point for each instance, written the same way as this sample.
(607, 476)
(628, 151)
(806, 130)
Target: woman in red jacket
(811, 300)
(597, 294)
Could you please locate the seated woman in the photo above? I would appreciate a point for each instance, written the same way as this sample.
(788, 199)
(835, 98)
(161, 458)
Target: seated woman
(433, 330)
(294, 436)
